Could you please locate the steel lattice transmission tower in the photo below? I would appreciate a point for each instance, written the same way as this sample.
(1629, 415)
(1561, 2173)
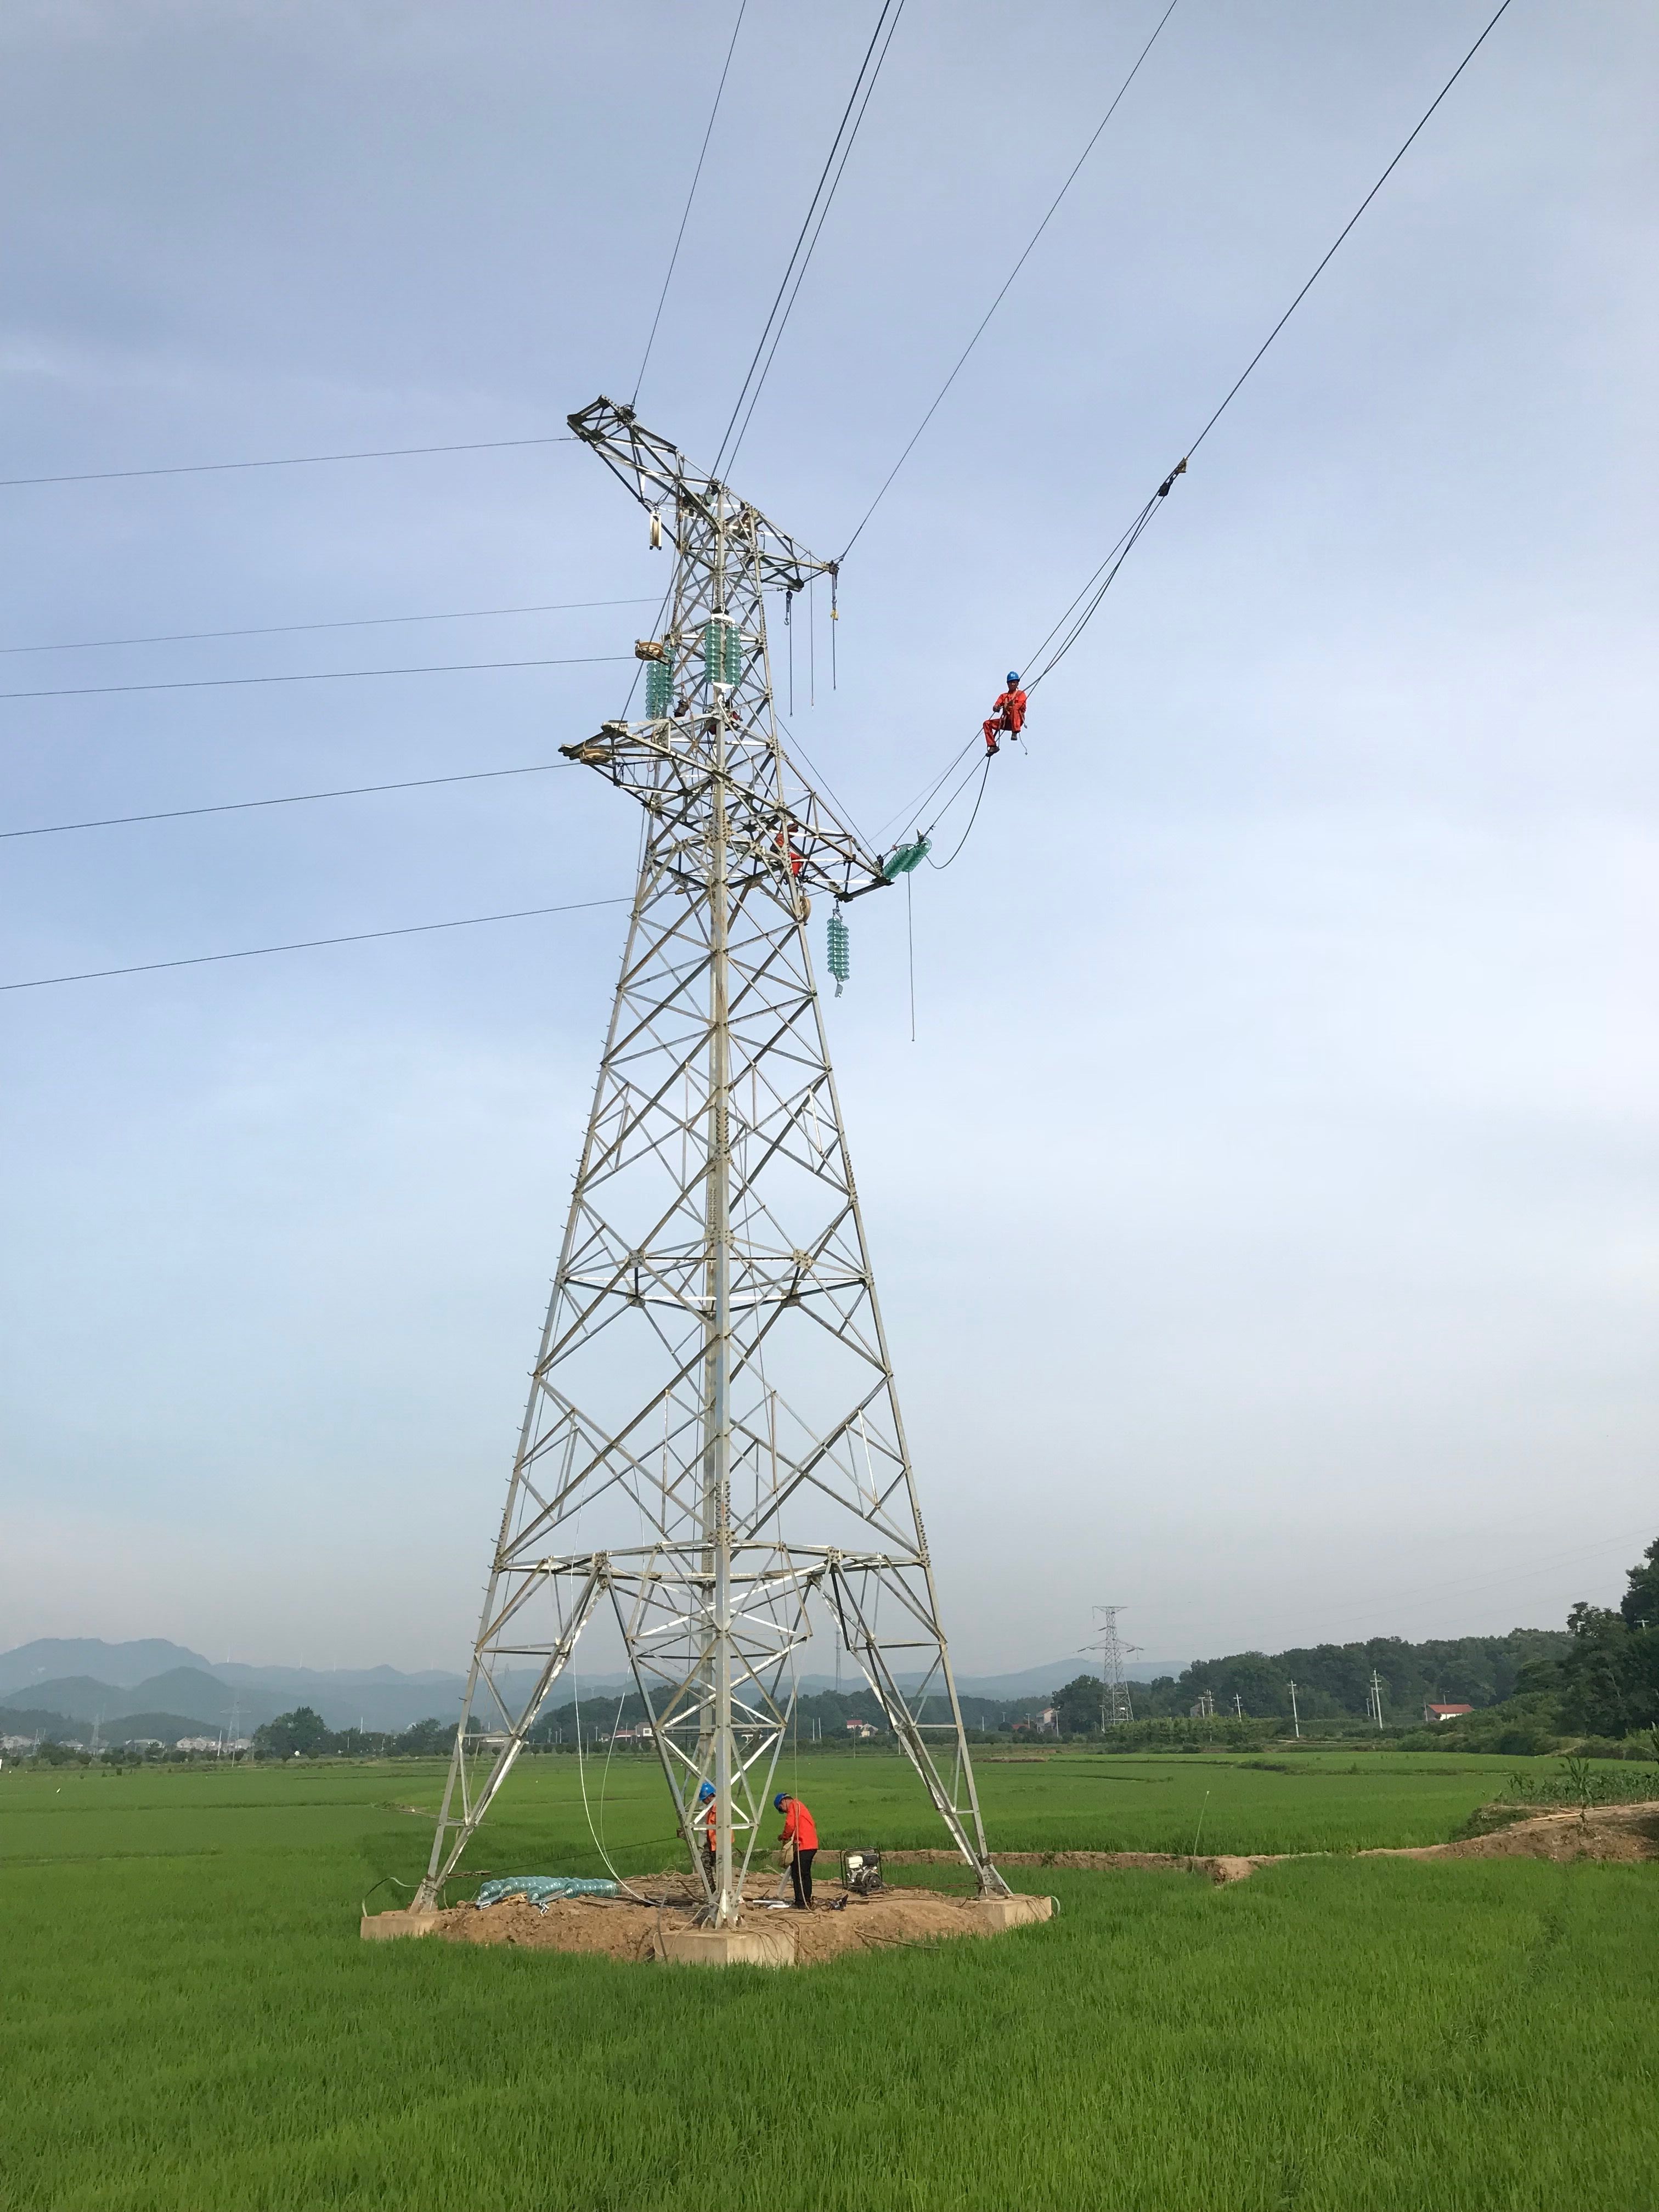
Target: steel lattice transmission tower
(1116, 1707)
(712, 1444)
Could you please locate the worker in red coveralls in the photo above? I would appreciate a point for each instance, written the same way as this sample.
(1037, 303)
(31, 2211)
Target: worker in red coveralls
(800, 1829)
(1008, 715)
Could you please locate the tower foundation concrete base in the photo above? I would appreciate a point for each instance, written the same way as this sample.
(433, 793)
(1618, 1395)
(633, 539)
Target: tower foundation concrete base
(993, 1914)
(381, 1927)
(727, 1946)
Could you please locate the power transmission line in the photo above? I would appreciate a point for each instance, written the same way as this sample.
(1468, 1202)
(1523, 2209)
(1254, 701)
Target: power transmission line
(697, 175)
(288, 461)
(307, 944)
(1030, 246)
(1346, 228)
(355, 622)
(289, 799)
(817, 208)
(1084, 607)
(1130, 537)
(316, 675)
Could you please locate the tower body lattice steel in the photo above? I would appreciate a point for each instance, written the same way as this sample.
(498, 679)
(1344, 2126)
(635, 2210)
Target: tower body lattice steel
(713, 1447)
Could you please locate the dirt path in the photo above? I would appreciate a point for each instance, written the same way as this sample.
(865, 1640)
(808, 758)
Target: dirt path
(1610, 1835)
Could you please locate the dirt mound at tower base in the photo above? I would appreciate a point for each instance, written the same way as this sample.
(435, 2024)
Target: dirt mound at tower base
(620, 1927)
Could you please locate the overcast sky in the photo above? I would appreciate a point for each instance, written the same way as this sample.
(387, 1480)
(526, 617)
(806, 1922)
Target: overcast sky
(1268, 1213)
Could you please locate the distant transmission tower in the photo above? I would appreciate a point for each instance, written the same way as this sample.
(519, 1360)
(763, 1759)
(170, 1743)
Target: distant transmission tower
(1116, 1708)
(713, 1437)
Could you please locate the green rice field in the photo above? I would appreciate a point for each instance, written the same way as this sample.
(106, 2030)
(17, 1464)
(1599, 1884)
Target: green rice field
(188, 2019)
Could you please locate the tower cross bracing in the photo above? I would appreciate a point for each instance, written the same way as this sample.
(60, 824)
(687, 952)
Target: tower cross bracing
(712, 1449)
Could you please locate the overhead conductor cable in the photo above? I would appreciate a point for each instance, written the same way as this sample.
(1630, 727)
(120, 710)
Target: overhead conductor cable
(309, 945)
(1030, 246)
(805, 244)
(1081, 611)
(696, 176)
(1094, 593)
(288, 461)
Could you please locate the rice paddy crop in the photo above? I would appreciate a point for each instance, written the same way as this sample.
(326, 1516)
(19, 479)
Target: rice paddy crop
(187, 2019)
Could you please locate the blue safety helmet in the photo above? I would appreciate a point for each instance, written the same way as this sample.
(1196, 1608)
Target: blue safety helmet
(1013, 676)
(777, 1801)
(705, 1793)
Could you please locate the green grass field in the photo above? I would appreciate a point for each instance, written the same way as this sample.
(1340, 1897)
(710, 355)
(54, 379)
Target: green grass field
(189, 2020)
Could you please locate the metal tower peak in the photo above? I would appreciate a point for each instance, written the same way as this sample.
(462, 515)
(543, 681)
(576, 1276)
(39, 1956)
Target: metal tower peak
(709, 675)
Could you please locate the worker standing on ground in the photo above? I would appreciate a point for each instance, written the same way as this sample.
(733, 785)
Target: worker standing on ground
(800, 1831)
(1008, 715)
(710, 1841)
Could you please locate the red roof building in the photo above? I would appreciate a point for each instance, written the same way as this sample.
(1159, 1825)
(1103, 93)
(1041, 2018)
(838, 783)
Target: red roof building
(1445, 1712)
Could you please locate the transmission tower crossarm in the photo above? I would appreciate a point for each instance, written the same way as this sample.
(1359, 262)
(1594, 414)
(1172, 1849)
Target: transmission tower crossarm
(709, 719)
(832, 858)
(659, 475)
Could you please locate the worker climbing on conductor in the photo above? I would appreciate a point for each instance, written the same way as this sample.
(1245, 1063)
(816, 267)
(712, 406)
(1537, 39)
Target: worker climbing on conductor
(1007, 716)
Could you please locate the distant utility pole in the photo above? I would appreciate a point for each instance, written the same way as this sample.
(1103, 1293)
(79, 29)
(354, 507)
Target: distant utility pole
(1373, 1700)
(1295, 1718)
(1239, 1705)
(1117, 1709)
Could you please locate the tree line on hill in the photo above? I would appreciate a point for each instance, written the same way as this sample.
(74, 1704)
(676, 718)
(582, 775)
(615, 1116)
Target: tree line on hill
(1597, 1678)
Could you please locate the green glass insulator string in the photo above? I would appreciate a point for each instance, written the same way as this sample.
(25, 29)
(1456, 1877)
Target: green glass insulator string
(838, 950)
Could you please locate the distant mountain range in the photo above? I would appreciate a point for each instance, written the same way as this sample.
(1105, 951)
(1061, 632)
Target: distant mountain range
(130, 1727)
(85, 1680)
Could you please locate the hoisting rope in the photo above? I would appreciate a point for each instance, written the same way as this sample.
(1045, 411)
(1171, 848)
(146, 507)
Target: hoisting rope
(581, 1774)
(1083, 609)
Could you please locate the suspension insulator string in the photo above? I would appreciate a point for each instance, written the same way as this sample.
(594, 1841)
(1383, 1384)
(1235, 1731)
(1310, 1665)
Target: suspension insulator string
(838, 949)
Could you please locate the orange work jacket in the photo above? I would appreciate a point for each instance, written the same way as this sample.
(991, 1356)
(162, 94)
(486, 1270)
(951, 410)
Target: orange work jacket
(798, 1826)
